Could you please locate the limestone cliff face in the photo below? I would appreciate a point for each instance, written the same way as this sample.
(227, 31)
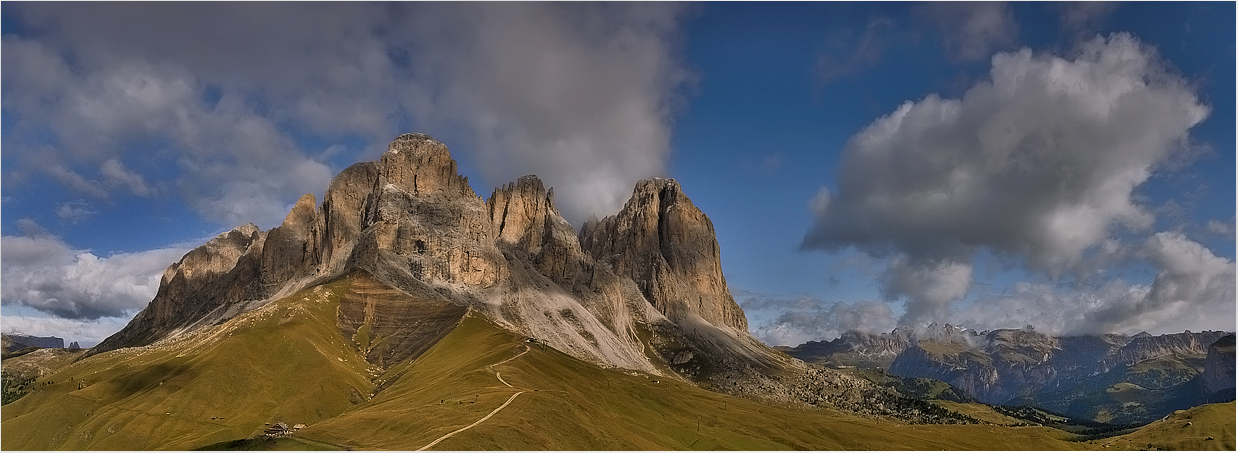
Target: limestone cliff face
(412, 222)
(527, 220)
(1219, 365)
(346, 208)
(292, 249)
(667, 245)
(421, 165)
(218, 274)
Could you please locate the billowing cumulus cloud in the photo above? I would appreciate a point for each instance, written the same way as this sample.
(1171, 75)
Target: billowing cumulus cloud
(106, 97)
(1039, 163)
(1193, 287)
(42, 272)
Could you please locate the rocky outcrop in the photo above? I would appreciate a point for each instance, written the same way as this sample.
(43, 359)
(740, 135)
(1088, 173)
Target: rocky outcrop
(423, 166)
(1219, 366)
(639, 288)
(13, 342)
(347, 208)
(664, 243)
(224, 272)
(1068, 374)
(292, 249)
(527, 220)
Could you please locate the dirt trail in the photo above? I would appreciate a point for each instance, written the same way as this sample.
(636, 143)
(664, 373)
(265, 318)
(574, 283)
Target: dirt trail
(491, 414)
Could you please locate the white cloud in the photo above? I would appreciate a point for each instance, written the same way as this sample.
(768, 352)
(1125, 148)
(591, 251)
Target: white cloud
(927, 287)
(44, 273)
(1084, 17)
(1193, 289)
(104, 111)
(1039, 163)
(579, 94)
(846, 54)
(119, 175)
(972, 30)
(1049, 308)
(805, 318)
(1220, 228)
(74, 211)
(77, 182)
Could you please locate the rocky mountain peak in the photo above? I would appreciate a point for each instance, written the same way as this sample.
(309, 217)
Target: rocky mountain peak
(421, 165)
(668, 246)
(527, 220)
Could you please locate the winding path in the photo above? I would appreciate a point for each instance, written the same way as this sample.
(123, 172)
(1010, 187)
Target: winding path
(491, 414)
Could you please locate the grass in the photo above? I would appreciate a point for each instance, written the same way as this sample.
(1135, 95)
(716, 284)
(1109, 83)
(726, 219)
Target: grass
(289, 362)
(284, 362)
(1174, 432)
(572, 405)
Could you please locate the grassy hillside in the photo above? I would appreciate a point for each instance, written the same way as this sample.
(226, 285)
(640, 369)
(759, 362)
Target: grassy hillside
(286, 361)
(1208, 427)
(21, 371)
(290, 362)
(570, 405)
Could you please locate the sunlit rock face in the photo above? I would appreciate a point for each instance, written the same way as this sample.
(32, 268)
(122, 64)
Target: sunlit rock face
(668, 246)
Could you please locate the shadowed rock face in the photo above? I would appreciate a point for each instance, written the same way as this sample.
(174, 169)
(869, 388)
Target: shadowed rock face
(17, 341)
(527, 220)
(221, 273)
(668, 246)
(1219, 365)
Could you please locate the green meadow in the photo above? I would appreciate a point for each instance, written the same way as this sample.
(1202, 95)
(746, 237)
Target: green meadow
(289, 362)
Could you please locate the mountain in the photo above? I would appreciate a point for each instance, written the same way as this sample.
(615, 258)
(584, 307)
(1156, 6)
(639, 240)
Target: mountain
(479, 386)
(15, 342)
(1218, 375)
(642, 289)
(855, 349)
(405, 309)
(1109, 378)
(407, 312)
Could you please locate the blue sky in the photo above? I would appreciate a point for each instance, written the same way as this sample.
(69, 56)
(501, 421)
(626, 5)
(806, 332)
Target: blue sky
(866, 165)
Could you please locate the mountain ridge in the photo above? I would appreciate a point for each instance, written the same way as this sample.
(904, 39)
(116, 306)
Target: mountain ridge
(641, 289)
(1023, 366)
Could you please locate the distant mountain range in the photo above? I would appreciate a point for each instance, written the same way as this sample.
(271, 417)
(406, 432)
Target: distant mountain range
(1108, 378)
(14, 342)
